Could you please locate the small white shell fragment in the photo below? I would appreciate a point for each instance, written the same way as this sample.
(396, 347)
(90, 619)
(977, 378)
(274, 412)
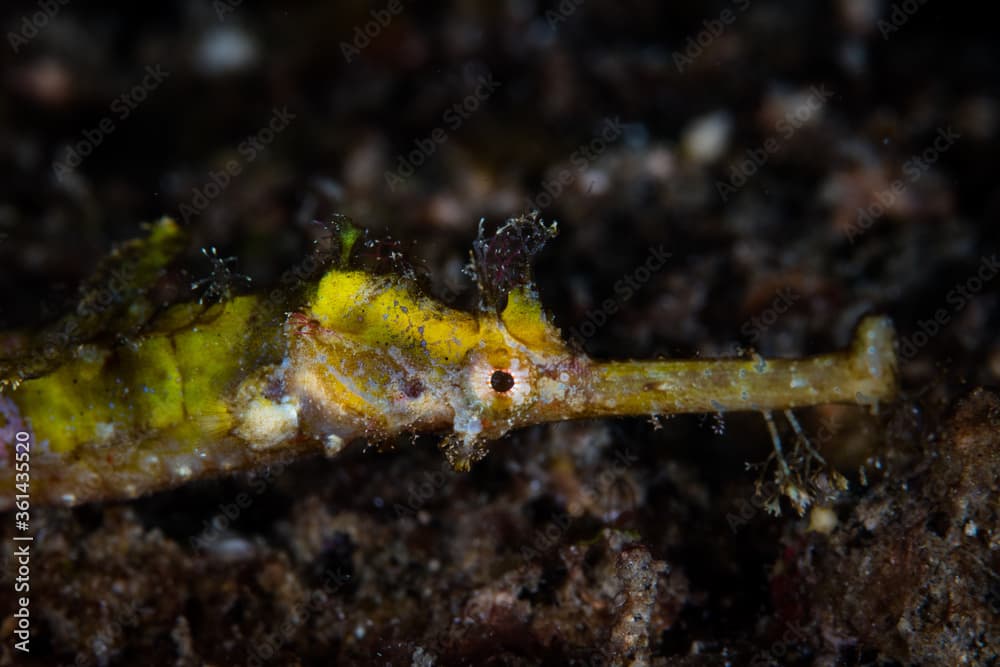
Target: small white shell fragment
(332, 444)
(822, 520)
(265, 424)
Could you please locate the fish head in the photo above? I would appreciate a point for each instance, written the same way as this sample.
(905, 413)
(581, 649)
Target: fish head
(519, 373)
(372, 356)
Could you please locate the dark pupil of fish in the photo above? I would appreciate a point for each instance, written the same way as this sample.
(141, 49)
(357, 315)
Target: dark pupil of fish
(501, 381)
(413, 388)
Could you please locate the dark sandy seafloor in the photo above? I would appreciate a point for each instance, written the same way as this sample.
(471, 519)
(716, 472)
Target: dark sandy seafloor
(802, 163)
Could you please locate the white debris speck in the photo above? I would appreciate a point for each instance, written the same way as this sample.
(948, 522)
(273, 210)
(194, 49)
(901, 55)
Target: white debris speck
(226, 50)
(467, 424)
(761, 364)
(264, 423)
(706, 139)
(594, 182)
(332, 444)
(232, 549)
(422, 658)
(822, 520)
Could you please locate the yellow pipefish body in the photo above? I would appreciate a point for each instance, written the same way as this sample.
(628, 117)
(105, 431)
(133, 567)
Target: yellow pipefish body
(135, 400)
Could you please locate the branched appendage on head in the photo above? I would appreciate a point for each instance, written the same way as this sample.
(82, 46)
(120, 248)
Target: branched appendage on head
(373, 357)
(385, 361)
(222, 282)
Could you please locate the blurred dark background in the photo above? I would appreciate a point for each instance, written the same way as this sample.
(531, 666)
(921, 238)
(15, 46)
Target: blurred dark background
(841, 154)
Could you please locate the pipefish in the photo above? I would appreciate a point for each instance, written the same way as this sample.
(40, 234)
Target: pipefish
(123, 397)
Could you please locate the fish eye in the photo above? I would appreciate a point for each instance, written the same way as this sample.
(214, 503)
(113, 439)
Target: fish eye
(501, 381)
(413, 388)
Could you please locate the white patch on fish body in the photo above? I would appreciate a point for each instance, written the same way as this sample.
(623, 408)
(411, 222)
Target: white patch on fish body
(264, 423)
(333, 444)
